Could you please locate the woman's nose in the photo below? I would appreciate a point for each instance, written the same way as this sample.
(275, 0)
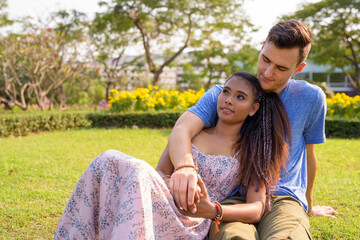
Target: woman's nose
(228, 100)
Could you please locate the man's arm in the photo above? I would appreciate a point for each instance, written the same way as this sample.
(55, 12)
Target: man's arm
(183, 182)
(318, 211)
(311, 174)
(164, 166)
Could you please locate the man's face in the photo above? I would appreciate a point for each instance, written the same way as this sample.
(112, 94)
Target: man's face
(275, 67)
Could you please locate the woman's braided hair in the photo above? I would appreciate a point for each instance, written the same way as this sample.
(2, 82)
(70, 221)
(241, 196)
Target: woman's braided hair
(264, 139)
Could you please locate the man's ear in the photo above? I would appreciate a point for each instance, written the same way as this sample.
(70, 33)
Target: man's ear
(300, 68)
(254, 109)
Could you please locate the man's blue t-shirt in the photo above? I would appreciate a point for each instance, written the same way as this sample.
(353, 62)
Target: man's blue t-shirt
(306, 106)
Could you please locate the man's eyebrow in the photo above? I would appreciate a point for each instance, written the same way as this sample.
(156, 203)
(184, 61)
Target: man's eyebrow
(279, 66)
(242, 92)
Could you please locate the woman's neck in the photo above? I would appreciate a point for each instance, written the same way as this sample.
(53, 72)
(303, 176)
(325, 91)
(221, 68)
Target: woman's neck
(229, 131)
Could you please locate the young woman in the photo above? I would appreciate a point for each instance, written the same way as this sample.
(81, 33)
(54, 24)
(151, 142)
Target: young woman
(120, 197)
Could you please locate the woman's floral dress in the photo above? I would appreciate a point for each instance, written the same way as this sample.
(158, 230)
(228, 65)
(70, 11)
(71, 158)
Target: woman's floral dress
(121, 197)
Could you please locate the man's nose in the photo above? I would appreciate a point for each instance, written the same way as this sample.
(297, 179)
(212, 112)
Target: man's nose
(269, 71)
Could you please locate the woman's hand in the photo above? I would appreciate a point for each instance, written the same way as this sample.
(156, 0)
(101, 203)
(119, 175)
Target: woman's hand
(205, 209)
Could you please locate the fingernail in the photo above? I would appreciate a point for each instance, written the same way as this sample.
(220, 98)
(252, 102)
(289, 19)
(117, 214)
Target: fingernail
(193, 211)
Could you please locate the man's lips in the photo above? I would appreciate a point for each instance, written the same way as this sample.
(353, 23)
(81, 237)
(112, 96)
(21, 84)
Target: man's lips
(266, 79)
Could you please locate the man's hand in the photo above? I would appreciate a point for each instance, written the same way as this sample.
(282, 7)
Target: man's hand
(323, 211)
(183, 188)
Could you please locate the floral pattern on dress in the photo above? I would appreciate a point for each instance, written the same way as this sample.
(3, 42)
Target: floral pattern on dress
(121, 197)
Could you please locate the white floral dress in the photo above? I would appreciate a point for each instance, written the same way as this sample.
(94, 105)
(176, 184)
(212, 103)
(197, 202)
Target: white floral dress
(121, 197)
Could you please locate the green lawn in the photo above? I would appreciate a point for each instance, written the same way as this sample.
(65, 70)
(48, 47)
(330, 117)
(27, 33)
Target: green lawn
(39, 172)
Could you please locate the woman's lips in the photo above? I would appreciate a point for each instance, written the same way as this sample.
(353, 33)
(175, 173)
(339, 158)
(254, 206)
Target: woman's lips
(226, 110)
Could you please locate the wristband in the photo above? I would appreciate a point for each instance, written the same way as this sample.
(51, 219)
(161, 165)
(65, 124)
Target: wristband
(165, 177)
(196, 169)
(218, 216)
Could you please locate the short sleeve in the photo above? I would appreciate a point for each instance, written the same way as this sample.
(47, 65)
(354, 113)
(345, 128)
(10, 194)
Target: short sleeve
(205, 108)
(315, 127)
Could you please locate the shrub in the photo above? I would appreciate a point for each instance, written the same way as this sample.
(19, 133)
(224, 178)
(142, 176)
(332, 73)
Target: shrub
(151, 98)
(120, 120)
(343, 106)
(22, 125)
(343, 128)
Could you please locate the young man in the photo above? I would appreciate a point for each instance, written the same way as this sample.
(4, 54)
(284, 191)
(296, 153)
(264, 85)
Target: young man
(283, 54)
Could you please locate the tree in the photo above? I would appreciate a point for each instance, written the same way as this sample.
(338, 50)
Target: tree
(35, 66)
(336, 27)
(111, 44)
(216, 64)
(4, 19)
(167, 26)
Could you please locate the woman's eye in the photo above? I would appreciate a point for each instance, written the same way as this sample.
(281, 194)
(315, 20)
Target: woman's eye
(240, 97)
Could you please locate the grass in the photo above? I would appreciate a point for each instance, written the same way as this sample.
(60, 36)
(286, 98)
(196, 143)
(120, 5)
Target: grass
(39, 172)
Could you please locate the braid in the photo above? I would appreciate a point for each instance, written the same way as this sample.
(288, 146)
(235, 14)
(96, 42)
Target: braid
(263, 140)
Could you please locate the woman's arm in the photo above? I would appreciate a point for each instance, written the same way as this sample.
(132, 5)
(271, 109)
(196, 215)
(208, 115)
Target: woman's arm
(249, 212)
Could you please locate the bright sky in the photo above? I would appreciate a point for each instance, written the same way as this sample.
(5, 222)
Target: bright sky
(263, 13)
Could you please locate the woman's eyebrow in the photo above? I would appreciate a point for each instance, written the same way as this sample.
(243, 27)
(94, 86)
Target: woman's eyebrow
(242, 92)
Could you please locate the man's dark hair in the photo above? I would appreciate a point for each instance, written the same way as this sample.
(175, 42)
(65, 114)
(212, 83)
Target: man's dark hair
(291, 34)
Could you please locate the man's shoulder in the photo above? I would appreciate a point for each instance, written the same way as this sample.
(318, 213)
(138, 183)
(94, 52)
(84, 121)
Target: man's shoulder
(304, 89)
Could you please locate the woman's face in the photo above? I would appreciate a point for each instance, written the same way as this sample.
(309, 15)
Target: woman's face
(236, 101)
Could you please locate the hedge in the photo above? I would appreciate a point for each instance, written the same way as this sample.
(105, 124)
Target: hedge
(342, 128)
(24, 124)
(120, 120)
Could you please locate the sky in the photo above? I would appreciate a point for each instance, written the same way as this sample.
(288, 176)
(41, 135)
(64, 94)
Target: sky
(263, 13)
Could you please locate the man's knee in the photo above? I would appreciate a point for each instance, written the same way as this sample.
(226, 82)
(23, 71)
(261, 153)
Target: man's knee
(286, 220)
(234, 231)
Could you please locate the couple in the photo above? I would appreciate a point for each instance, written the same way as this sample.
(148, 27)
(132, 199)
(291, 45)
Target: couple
(244, 144)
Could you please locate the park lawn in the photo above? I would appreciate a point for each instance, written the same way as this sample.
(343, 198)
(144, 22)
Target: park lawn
(39, 172)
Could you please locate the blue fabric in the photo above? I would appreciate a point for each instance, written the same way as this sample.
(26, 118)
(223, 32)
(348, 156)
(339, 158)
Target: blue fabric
(306, 107)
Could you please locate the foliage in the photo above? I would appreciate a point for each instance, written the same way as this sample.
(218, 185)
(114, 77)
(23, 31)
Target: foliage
(35, 66)
(23, 125)
(216, 63)
(111, 44)
(4, 18)
(344, 128)
(336, 33)
(121, 120)
(39, 172)
(343, 106)
(152, 98)
(170, 25)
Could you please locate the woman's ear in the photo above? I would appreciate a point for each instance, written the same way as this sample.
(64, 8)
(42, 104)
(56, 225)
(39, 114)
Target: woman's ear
(254, 109)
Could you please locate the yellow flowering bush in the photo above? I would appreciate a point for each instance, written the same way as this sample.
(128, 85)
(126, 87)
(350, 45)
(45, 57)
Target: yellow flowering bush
(342, 105)
(152, 98)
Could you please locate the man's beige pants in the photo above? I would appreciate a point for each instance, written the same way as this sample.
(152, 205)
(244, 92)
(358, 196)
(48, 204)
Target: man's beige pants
(286, 220)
